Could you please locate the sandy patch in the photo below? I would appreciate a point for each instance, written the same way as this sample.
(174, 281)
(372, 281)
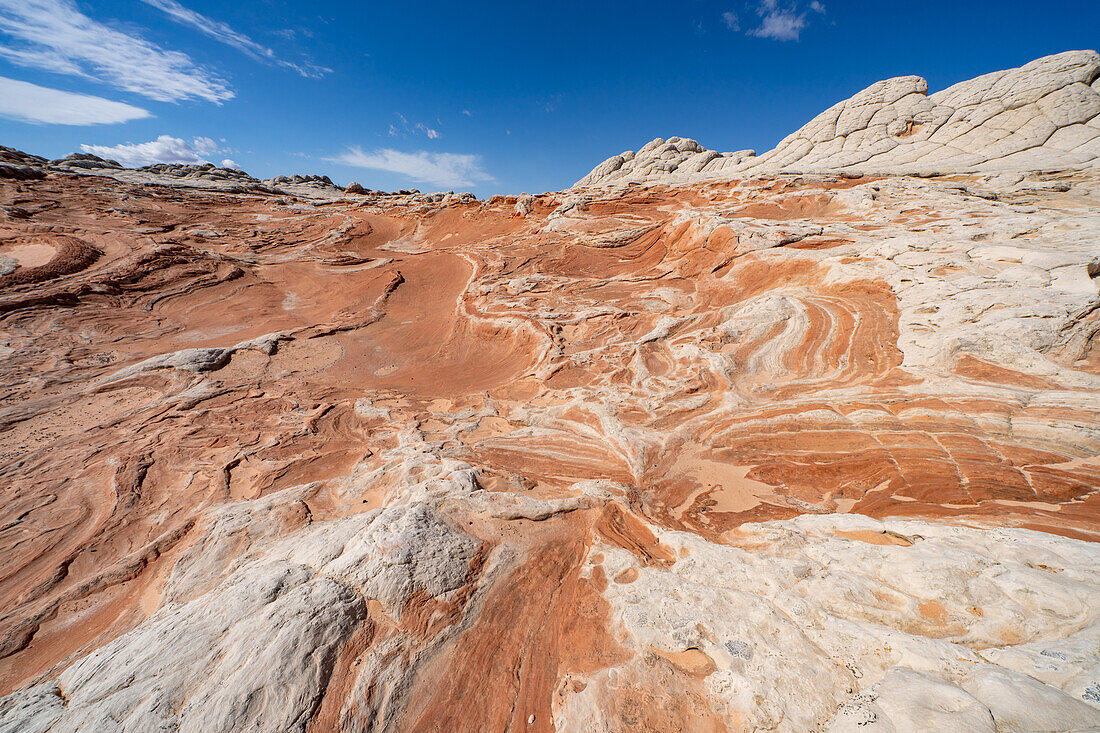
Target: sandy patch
(30, 255)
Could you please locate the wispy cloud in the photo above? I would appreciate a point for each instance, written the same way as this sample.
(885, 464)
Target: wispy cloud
(25, 102)
(782, 23)
(550, 103)
(224, 33)
(731, 20)
(405, 129)
(165, 149)
(54, 35)
(439, 169)
(780, 26)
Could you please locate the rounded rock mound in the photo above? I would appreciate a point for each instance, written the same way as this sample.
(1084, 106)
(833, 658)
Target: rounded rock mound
(1044, 115)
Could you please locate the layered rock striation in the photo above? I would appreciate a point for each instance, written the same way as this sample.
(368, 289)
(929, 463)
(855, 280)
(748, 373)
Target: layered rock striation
(777, 452)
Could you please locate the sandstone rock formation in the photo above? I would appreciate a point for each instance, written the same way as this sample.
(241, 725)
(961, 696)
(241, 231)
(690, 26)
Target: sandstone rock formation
(1043, 115)
(20, 165)
(789, 452)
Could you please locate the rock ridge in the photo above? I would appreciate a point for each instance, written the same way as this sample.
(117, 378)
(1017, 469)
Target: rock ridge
(18, 165)
(1044, 115)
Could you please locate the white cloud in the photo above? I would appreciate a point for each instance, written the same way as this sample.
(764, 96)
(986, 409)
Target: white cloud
(731, 20)
(407, 129)
(468, 113)
(54, 35)
(440, 169)
(780, 24)
(26, 102)
(224, 33)
(230, 163)
(817, 7)
(165, 149)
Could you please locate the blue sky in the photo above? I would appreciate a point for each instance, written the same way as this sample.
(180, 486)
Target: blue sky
(489, 97)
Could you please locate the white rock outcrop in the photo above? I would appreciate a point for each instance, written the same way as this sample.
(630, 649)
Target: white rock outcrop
(256, 652)
(816, 624)
(1043, 115)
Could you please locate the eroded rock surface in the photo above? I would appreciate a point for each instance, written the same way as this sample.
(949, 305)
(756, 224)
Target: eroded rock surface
(785, 452)
(1043, 115)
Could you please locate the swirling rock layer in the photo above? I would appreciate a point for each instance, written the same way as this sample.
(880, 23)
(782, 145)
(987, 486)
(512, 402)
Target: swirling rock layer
(649, 460)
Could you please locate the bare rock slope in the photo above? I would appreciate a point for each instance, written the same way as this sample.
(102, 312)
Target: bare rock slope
(798, 452)
(1043, 115)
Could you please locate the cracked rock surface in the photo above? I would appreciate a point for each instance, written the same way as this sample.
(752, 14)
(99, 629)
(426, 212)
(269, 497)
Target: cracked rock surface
(1043, 115)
